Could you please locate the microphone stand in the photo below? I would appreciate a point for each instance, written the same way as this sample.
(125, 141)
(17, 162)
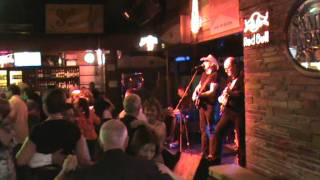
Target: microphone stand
(177, 107)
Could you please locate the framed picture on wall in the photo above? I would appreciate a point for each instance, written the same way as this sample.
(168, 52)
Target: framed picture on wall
(74, 18)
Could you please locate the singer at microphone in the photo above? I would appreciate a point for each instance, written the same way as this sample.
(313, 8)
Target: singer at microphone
(204, 97)
(199, 66)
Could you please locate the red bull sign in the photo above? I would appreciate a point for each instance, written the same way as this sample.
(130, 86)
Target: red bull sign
(256, 29)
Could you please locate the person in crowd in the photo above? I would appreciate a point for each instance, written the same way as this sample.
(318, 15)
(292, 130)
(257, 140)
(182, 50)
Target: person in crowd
(94, 91)
(86, 121)
(232, 109)
(103, 108)
(204, 96)
(34, 99)
(181, 112)
(24, 88)
(145, 145)
(86, 94)
(116, 164)
(132, 108)
(3, 95)
(186, 103)
(54, 134)
(18, 114)
(7, 170)
(141, 115)
(70, 113)
(33, 114)
(152, 109)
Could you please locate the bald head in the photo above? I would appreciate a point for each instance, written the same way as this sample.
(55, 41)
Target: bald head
(113, 135)
(132, 104)
(229, 61)
(230, 66)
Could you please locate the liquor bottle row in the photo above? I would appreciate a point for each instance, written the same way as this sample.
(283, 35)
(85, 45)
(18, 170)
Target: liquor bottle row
(58, 73)
(64, 85)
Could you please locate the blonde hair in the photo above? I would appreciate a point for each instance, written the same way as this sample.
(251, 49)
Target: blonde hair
(132, 104)
(153, 102)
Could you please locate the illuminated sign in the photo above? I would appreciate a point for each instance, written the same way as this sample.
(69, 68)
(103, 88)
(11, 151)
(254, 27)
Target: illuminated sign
(6, 59)
(149, 41)
(182, 58)
(255, 29)
(27, 59)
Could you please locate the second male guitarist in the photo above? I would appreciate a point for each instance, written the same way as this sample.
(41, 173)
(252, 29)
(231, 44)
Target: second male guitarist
(232, 109)
(204, 96)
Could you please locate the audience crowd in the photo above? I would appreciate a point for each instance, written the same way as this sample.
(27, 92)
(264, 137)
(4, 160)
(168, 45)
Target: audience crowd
(77, 135)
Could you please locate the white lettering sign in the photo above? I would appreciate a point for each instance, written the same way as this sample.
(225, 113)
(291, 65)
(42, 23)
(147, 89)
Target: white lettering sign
(256, 39)
(253, 25)
(255, 22)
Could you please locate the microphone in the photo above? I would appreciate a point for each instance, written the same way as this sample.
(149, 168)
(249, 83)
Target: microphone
(199, 66)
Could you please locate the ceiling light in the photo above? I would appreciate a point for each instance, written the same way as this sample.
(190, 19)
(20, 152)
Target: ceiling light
(126, 15)
(89, 57)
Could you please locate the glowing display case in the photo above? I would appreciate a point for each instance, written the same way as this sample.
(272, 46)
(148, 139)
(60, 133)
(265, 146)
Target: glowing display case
(3, 78)
(15, 77)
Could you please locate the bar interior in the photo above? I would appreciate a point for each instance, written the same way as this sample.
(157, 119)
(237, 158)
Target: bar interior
(159, 89)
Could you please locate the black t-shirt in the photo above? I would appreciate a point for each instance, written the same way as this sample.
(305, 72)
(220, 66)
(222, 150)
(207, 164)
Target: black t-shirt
(127, 120)
(54, 135)
(208, 79)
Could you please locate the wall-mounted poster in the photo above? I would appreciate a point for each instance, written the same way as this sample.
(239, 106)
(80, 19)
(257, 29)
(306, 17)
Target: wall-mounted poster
(218, 18)
(74, 18)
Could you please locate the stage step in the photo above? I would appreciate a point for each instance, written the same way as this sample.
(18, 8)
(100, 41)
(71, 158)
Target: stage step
(232, 171)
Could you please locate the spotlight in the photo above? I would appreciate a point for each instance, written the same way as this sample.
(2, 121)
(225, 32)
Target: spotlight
(126, 15)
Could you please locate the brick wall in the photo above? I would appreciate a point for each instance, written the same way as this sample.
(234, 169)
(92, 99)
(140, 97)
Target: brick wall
(282, 105)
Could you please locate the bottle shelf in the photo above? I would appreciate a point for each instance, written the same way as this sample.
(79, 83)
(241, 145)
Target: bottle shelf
(63, 77)
(58, 79)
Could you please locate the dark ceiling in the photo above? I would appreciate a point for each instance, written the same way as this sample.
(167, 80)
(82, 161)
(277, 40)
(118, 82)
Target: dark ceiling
(145, 15)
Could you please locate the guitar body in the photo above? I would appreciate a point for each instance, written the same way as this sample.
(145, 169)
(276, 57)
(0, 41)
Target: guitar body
(224, 97)
(203, 101)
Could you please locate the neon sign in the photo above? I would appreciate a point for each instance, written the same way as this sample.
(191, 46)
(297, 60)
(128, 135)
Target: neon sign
(149, 41)
(182, 58)
(255, 29)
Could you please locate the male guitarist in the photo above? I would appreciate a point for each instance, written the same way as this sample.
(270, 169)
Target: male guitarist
(204, 96)
(232, 112)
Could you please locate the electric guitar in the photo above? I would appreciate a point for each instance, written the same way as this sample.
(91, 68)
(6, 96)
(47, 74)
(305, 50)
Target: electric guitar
(224, 97)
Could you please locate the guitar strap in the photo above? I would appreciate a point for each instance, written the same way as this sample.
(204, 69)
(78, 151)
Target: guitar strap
(206, 81)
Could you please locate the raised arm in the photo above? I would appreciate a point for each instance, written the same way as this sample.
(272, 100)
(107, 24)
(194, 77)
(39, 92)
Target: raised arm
(82, 152)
